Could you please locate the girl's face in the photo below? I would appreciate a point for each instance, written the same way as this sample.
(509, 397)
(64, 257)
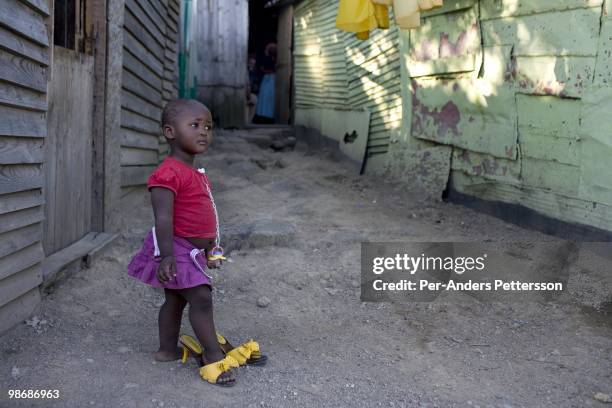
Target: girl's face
(192, 130)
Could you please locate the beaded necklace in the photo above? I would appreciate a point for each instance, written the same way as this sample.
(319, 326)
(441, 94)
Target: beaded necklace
(217, 252)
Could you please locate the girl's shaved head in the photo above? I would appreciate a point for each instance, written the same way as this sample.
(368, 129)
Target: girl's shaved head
(174, 108)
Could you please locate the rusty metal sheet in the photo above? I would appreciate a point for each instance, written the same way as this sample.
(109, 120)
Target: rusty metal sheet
(573, 32)
(560, 76)
(425, 164)
(476, 113)
(506, 8)
(445, 44)
(486, 166)
(596, 135)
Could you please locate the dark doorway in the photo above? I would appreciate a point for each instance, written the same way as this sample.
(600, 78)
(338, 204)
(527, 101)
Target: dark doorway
(263, 25)
(263, 28)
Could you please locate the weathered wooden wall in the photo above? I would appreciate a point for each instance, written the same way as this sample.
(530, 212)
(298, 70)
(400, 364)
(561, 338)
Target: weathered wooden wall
(142, 53)
(334, 70)
(24, 71)
(171, 71)
(150, 37)
(68, 150)
(223, 27)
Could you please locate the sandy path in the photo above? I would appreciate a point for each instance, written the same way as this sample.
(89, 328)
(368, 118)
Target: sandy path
(326, 348)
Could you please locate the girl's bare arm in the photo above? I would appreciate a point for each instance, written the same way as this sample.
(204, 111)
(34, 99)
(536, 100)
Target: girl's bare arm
(163, 208)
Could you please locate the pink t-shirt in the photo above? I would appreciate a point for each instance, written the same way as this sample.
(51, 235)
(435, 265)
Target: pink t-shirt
(194, 214)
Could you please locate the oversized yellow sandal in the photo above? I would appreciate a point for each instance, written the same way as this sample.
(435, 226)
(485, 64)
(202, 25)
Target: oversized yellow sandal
(208, 372)
(211, 372)
(190, 346)
(246, 353)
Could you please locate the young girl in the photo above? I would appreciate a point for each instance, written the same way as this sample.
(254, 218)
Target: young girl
(186, 224)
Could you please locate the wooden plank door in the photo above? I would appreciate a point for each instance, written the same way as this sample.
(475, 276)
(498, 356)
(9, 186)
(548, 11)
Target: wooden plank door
(68, 162)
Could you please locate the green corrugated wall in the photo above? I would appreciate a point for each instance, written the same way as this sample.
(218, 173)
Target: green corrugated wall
(334, 70)
(511, 98)
(517, 91)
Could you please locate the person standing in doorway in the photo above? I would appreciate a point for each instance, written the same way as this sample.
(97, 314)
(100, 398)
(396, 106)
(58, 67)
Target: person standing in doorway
(254, 78)
(265, 100)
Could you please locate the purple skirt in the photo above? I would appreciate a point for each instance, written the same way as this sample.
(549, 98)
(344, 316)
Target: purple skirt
(190, 269)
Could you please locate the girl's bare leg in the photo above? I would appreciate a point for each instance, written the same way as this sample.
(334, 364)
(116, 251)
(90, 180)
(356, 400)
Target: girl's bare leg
(201, 318)
(170, 315)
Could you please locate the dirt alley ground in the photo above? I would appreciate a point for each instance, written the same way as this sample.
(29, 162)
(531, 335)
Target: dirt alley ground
(96, 330)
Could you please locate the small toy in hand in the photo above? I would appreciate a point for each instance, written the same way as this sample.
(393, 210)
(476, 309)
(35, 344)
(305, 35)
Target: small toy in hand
(216, 254)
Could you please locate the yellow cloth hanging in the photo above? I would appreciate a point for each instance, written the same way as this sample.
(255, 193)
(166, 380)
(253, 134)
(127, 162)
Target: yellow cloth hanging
(381, 12)
(426, 5)
(361, 16)
(408, 12)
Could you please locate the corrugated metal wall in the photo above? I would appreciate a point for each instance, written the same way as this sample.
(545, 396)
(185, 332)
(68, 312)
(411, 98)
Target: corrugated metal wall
(513, 95)
(149, 80)
(518, 90)
(335, 70)
(308, 73)
(24, 73)
(374, 83)
(332, 56)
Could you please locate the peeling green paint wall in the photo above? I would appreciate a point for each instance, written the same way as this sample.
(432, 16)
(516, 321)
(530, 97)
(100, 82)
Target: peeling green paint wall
(518, 90)
(507, 100)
